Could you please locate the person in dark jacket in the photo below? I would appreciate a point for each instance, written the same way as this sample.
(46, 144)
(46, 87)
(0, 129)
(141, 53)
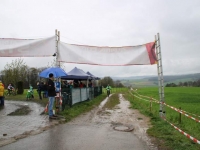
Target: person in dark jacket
(39, 89)
(51, 94)
(45, 90)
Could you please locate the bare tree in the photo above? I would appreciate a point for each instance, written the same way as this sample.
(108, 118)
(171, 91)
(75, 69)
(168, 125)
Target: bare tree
(15, 71)
(53, 64)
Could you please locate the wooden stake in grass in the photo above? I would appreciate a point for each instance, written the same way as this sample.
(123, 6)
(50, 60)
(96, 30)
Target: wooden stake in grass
(180, 115)
(150, 104)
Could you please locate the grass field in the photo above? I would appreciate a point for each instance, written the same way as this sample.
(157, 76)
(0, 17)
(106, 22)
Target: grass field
(139, 83)
(188, 98)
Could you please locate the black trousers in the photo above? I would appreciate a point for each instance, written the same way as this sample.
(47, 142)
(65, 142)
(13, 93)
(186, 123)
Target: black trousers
(39, 93)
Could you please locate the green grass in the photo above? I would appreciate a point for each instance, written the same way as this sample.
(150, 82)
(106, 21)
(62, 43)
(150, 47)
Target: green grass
(112, 102)
(82, 107)
(188, 98)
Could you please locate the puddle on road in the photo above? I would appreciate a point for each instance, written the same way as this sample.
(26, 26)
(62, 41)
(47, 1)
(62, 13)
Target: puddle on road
(20, 126)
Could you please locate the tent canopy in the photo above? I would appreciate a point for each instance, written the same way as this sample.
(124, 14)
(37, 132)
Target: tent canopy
(76, 73)
(92, 76)
(56, 71)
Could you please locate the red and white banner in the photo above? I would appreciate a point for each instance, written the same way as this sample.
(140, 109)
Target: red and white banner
(108, 56)
(10, 47)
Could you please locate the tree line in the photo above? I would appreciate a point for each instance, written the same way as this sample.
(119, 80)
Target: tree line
(108, 80)
(18, 71)
(185, 84)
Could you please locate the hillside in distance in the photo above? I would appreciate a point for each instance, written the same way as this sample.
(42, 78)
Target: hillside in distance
(147, 81)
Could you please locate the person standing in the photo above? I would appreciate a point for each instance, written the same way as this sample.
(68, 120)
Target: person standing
(31, 90)
(39, 90)
(51, 94)
(90, 84)
(45, 94)
(1, 94)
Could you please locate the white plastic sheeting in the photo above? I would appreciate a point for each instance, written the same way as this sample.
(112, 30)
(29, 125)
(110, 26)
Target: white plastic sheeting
(108, 56)
(80, 54)
(10, 47)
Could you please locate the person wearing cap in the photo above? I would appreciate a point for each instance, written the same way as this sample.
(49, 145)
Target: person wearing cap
(51, 94)
(1, 94)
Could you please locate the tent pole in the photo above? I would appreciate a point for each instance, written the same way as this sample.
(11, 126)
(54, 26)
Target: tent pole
(56, 50)
(58, 47)
(58, 63)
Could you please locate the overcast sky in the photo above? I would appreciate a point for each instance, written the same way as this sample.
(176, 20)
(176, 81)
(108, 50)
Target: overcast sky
(110, 23)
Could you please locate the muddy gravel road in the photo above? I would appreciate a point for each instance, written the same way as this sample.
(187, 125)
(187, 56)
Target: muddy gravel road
(118, 129)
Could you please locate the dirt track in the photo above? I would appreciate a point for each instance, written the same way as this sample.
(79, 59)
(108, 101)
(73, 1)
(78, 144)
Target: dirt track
(121, 118)
(120, 128)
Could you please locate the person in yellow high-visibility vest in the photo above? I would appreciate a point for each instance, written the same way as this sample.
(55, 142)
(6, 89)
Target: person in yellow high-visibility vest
(1, 94)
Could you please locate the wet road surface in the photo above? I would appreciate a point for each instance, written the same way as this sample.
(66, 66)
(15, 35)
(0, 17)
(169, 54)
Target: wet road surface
(93, 131)
(17, 127)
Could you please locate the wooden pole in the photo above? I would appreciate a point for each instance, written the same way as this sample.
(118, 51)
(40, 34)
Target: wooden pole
(150, 104)
(180, 115)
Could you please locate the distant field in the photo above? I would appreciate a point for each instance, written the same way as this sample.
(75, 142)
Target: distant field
(139, 83)
(188, 98)
(150, 81)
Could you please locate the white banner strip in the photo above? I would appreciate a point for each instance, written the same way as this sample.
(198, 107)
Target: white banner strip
(27, 47)
(108, 56)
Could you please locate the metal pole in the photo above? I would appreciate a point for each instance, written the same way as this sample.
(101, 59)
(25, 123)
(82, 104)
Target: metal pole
(58, 48)
(160, 76)
(162, 80)
(56, 51)
(158, 70)
(58, 64)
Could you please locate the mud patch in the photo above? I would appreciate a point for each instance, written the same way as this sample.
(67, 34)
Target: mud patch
(23, 110)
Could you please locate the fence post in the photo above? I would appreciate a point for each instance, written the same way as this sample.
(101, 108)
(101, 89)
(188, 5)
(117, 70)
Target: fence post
(150, 104)
(80, 95)
(180, 115)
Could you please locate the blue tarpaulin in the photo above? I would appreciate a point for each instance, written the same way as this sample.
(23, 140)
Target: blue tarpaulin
(56, 71)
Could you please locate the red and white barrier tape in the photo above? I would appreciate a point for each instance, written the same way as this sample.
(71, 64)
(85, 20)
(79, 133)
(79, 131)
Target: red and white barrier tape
(174, 108)
(184, 133)
(178, 110)
(181, 131)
